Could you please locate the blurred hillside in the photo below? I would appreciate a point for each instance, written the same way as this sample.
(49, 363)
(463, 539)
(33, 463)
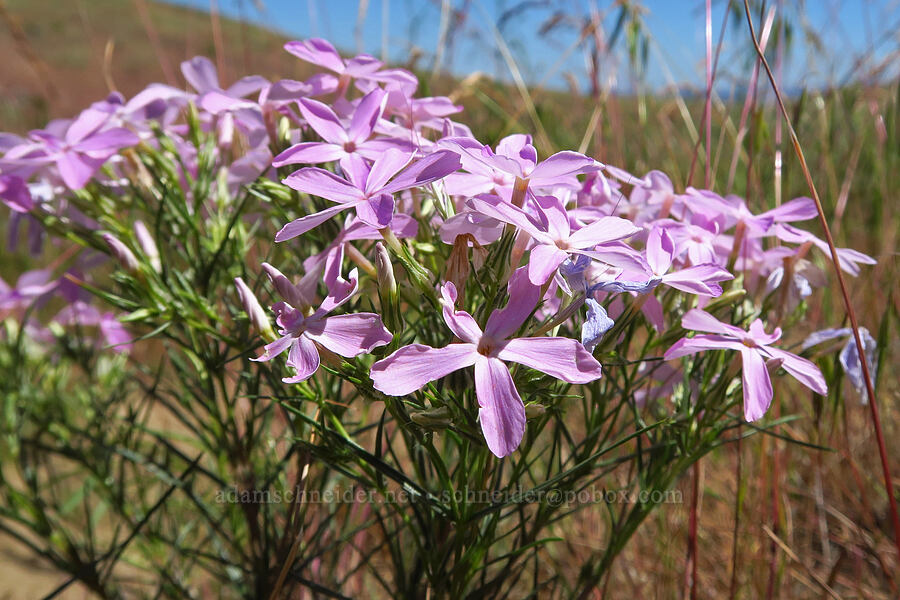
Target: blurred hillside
(62, 55)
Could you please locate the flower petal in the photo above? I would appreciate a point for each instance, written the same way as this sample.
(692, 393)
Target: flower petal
(366, 115)
(275, 348)
(501, 411)
(323, 120)
(304, 224)
(319, 182)
(757, 384)
(523, 297)
(461, 323)
(700, 320)
(309, 153)
(543, 262)
(304, 357)
(804, 371)
(411, 367)
(350, 335)
(559, 357)
(605, 229)
(700, 343)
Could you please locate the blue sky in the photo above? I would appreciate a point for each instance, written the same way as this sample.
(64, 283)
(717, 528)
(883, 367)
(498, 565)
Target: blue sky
(676, 48)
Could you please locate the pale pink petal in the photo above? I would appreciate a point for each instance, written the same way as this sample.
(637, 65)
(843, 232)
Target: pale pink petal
(460, 322)
(559, 357)
(660, 250)
(111, 139)
(494, 207)
(543, 262)
(245, 86)
(605, 229)
(501, 411)
(411, 367)
(319, 182)
(523, 297)
(701, 343)
(304, 358)
(304, 224)
(700, 320)
(76, 170)
(323, 120)
(377, 211)
(366, 115)
(804, 371)
(798, 209)
(701, 279)
(559, 165)
(431, 168)
(757, 384)
(309, 153)
(201, 74)
(350, 335)
(388, 165)
(275, 348)
(318, 52)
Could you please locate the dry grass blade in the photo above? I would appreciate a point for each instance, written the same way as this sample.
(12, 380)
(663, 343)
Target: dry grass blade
(867, 376)
(793, 556)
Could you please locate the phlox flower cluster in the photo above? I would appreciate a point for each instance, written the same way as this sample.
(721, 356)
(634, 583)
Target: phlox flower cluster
(367, 157)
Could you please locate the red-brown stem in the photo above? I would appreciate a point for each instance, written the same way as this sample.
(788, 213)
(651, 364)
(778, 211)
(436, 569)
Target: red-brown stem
(776, 517)
(695, 471)
(690, 570)
(737, 519)
(707, 107)
(870, 388)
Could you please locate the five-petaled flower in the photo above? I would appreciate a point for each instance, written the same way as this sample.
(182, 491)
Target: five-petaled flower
(501, 411)
(755, 348)
(302, 329)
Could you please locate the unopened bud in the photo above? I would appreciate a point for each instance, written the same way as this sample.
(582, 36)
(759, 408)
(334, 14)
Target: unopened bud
(148, 246)
(534, 410)
(121, 252)
(284, 287)
(434, 418)
(384, 271)
(458, 264)
(387, 288)
(254, 310)
(773, 364)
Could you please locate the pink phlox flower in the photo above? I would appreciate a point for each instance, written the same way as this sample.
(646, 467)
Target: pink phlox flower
(322, 53)
(302, 329)
(553, 237)
(341, 139)
(755, 348)
(368, 189)
(702, 279)
(501, 411)
(77, 148)
(850, 259)
(515, 159)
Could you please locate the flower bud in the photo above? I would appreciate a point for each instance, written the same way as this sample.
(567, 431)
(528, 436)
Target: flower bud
(284, 287)
(387, 288)
(385, 271)
(121, 252)
(148, 246)
(458, 264)
(434, 418)
(533, 410)
(254, 310)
